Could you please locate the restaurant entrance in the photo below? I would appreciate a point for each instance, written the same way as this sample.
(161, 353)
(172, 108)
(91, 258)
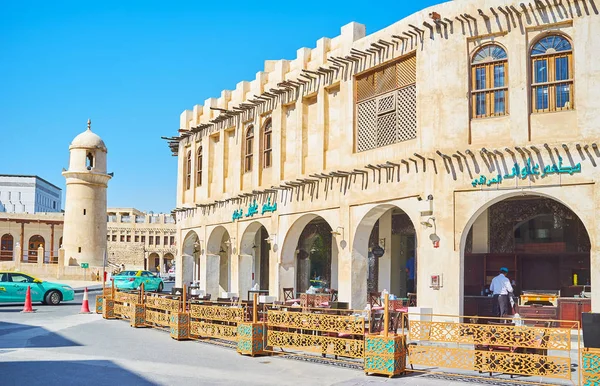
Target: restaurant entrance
(391, 255)
(546, 249)
(314, 256)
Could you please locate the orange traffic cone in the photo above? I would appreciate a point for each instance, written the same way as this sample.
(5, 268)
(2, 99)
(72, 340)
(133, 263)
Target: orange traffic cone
(85, 307)
(28, 307)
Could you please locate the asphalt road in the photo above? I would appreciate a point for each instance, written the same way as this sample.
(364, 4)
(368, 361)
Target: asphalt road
(57, 346)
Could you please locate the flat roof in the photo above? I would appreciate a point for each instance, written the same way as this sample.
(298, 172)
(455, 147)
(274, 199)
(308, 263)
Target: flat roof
(29, 176)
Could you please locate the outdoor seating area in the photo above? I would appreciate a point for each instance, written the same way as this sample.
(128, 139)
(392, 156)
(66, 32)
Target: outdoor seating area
(335, 332)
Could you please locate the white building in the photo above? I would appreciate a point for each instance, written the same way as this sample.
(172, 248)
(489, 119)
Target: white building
(28, 194)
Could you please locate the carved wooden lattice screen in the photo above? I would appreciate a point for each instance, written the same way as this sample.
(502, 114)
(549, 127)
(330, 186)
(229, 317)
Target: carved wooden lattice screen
(386, 105)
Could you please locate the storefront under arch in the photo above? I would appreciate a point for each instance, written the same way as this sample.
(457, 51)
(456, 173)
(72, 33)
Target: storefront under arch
(546, 248)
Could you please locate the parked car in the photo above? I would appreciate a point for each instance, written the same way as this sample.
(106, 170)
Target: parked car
(131, 280)
(13, 288)
(171, 273)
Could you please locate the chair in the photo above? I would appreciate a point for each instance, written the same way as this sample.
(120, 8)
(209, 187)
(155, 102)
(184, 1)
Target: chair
(375, 299)
(288, 296)
(412, 299)
(334, 295)
(377, 318)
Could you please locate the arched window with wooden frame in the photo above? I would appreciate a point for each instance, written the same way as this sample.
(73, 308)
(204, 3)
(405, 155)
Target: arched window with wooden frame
(188, 170)
(489, 86)
(199, 166)
(552, 74)
(267, 144)
(248, 146)
(6, 251)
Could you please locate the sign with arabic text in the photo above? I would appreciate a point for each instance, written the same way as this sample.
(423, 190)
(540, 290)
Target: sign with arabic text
(529, 169)
(253, 209)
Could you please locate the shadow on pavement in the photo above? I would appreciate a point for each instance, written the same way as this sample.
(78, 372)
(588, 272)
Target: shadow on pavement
(16, 335)
(88, 373)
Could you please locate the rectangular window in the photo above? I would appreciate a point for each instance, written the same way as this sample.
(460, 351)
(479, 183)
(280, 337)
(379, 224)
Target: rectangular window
(386, 104)
(541, 100)
(79, 249)
(151, 240)
(107, 237)
(488, 89)
(157, 239)
(480, 82)
(541, 71)
(143, 239)
(114, 237)
(166, 240)
(128, 238)
(172, 240)
(499, 102)
(137, 239)
(122, 238)
(552, 83)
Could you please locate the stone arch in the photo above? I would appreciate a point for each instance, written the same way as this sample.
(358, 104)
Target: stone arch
(289, 262)
(34, 243)
(361, 249)
(562, 196)
(255, 244)
(153, 262)
(189, 257)
(219, 244)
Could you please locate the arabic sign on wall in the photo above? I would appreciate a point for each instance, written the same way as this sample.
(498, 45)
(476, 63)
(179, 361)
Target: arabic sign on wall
(253, 209)
(529, 169)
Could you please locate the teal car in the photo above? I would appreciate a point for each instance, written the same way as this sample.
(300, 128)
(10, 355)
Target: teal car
(132, 280)
(13, 289)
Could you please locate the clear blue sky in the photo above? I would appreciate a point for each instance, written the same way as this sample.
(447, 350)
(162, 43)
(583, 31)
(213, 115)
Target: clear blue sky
(134, 66)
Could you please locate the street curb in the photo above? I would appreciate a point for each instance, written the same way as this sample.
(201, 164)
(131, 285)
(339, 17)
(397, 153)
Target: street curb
(82, 290)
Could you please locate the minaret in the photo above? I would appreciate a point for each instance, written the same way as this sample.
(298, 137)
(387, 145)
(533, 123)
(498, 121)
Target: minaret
(84, 234)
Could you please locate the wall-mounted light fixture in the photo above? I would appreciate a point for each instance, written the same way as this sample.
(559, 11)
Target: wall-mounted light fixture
(272, 239)
(337, 232)
(430, 223)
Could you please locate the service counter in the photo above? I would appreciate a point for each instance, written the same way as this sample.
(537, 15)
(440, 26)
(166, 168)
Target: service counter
(566, 309)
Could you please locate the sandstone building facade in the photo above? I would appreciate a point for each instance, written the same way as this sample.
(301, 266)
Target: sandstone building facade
(464, 135)
(141, 240)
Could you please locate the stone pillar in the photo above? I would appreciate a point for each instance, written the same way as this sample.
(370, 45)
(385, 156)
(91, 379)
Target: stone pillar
(244, 275)
(17, 256)
(385, 261)
(481, 233)
(210, 265)
(161, 263)
(40, 257)
(61, 263)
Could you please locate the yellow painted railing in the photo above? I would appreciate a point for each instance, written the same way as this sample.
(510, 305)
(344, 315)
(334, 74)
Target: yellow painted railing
(159, 308)
(323, 331)
(497, 347)
(215, 320)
